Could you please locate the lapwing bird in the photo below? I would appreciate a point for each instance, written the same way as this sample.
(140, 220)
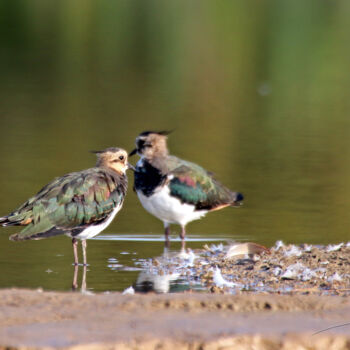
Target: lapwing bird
(79, 205)
(175, 190)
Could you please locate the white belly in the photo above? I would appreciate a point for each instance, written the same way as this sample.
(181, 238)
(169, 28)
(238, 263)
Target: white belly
(94, 230)
(169, 209)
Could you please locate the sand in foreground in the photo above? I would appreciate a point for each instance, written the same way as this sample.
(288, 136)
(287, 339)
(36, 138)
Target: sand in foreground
(44, 320)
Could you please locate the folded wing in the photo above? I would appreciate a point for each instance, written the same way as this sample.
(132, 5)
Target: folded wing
(67, 204)
(192, 184)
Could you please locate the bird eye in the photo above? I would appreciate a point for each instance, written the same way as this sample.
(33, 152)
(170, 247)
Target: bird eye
(121, 157)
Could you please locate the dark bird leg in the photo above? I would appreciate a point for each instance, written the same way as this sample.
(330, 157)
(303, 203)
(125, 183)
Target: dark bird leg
(182, 236)
(75, 251)
(84, 246)
(75, 278)
(167, 234)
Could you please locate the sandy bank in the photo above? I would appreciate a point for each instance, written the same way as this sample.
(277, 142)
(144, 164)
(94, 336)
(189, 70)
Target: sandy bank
(45, 320)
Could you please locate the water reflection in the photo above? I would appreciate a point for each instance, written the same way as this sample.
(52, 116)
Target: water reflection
(149, 281)
(160, 274)
(75, 285)
(163, 274)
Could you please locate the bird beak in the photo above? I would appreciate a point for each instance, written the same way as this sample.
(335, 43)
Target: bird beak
(239, 199)
(133, 152)
(130, 166)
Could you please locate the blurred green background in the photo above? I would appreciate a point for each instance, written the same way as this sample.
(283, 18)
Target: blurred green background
(257, 92)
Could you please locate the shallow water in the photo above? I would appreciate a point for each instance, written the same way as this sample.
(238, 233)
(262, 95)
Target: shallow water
(115, 261)
(260, 98)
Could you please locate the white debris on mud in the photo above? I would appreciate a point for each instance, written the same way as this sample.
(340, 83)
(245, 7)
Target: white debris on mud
(335, 277)
(334, 247)
(293, 250)
(220, 281)
(129, 291)
(279, 245)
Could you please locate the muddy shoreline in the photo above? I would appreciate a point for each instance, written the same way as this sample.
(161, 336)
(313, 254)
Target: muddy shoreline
(32, 319)
(285, 297)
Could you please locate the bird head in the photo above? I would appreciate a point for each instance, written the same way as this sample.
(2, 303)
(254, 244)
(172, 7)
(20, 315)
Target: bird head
(151, 144)
(113, 158)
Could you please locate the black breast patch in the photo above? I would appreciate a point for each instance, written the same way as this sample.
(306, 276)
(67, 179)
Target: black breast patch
(148, 178)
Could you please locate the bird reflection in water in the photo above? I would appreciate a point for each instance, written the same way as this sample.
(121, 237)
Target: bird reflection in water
(163, 274)
(75, 286)
(149, 282)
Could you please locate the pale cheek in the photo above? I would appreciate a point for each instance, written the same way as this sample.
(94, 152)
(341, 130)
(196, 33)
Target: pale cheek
(123, 168)
(119, 168)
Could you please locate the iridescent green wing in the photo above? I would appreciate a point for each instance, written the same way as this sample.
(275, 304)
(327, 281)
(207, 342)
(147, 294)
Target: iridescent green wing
(194, 185)
(71, 202)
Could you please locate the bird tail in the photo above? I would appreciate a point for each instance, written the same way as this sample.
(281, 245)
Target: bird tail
(14, 221)
(237, 199)
(4, 221)
(17, 218)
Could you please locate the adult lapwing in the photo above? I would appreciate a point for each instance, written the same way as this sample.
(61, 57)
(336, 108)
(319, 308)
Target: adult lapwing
(174, 190)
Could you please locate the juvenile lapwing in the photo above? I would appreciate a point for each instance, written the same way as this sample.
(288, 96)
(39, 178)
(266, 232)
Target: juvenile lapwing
(79, 205)
(174, 190)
